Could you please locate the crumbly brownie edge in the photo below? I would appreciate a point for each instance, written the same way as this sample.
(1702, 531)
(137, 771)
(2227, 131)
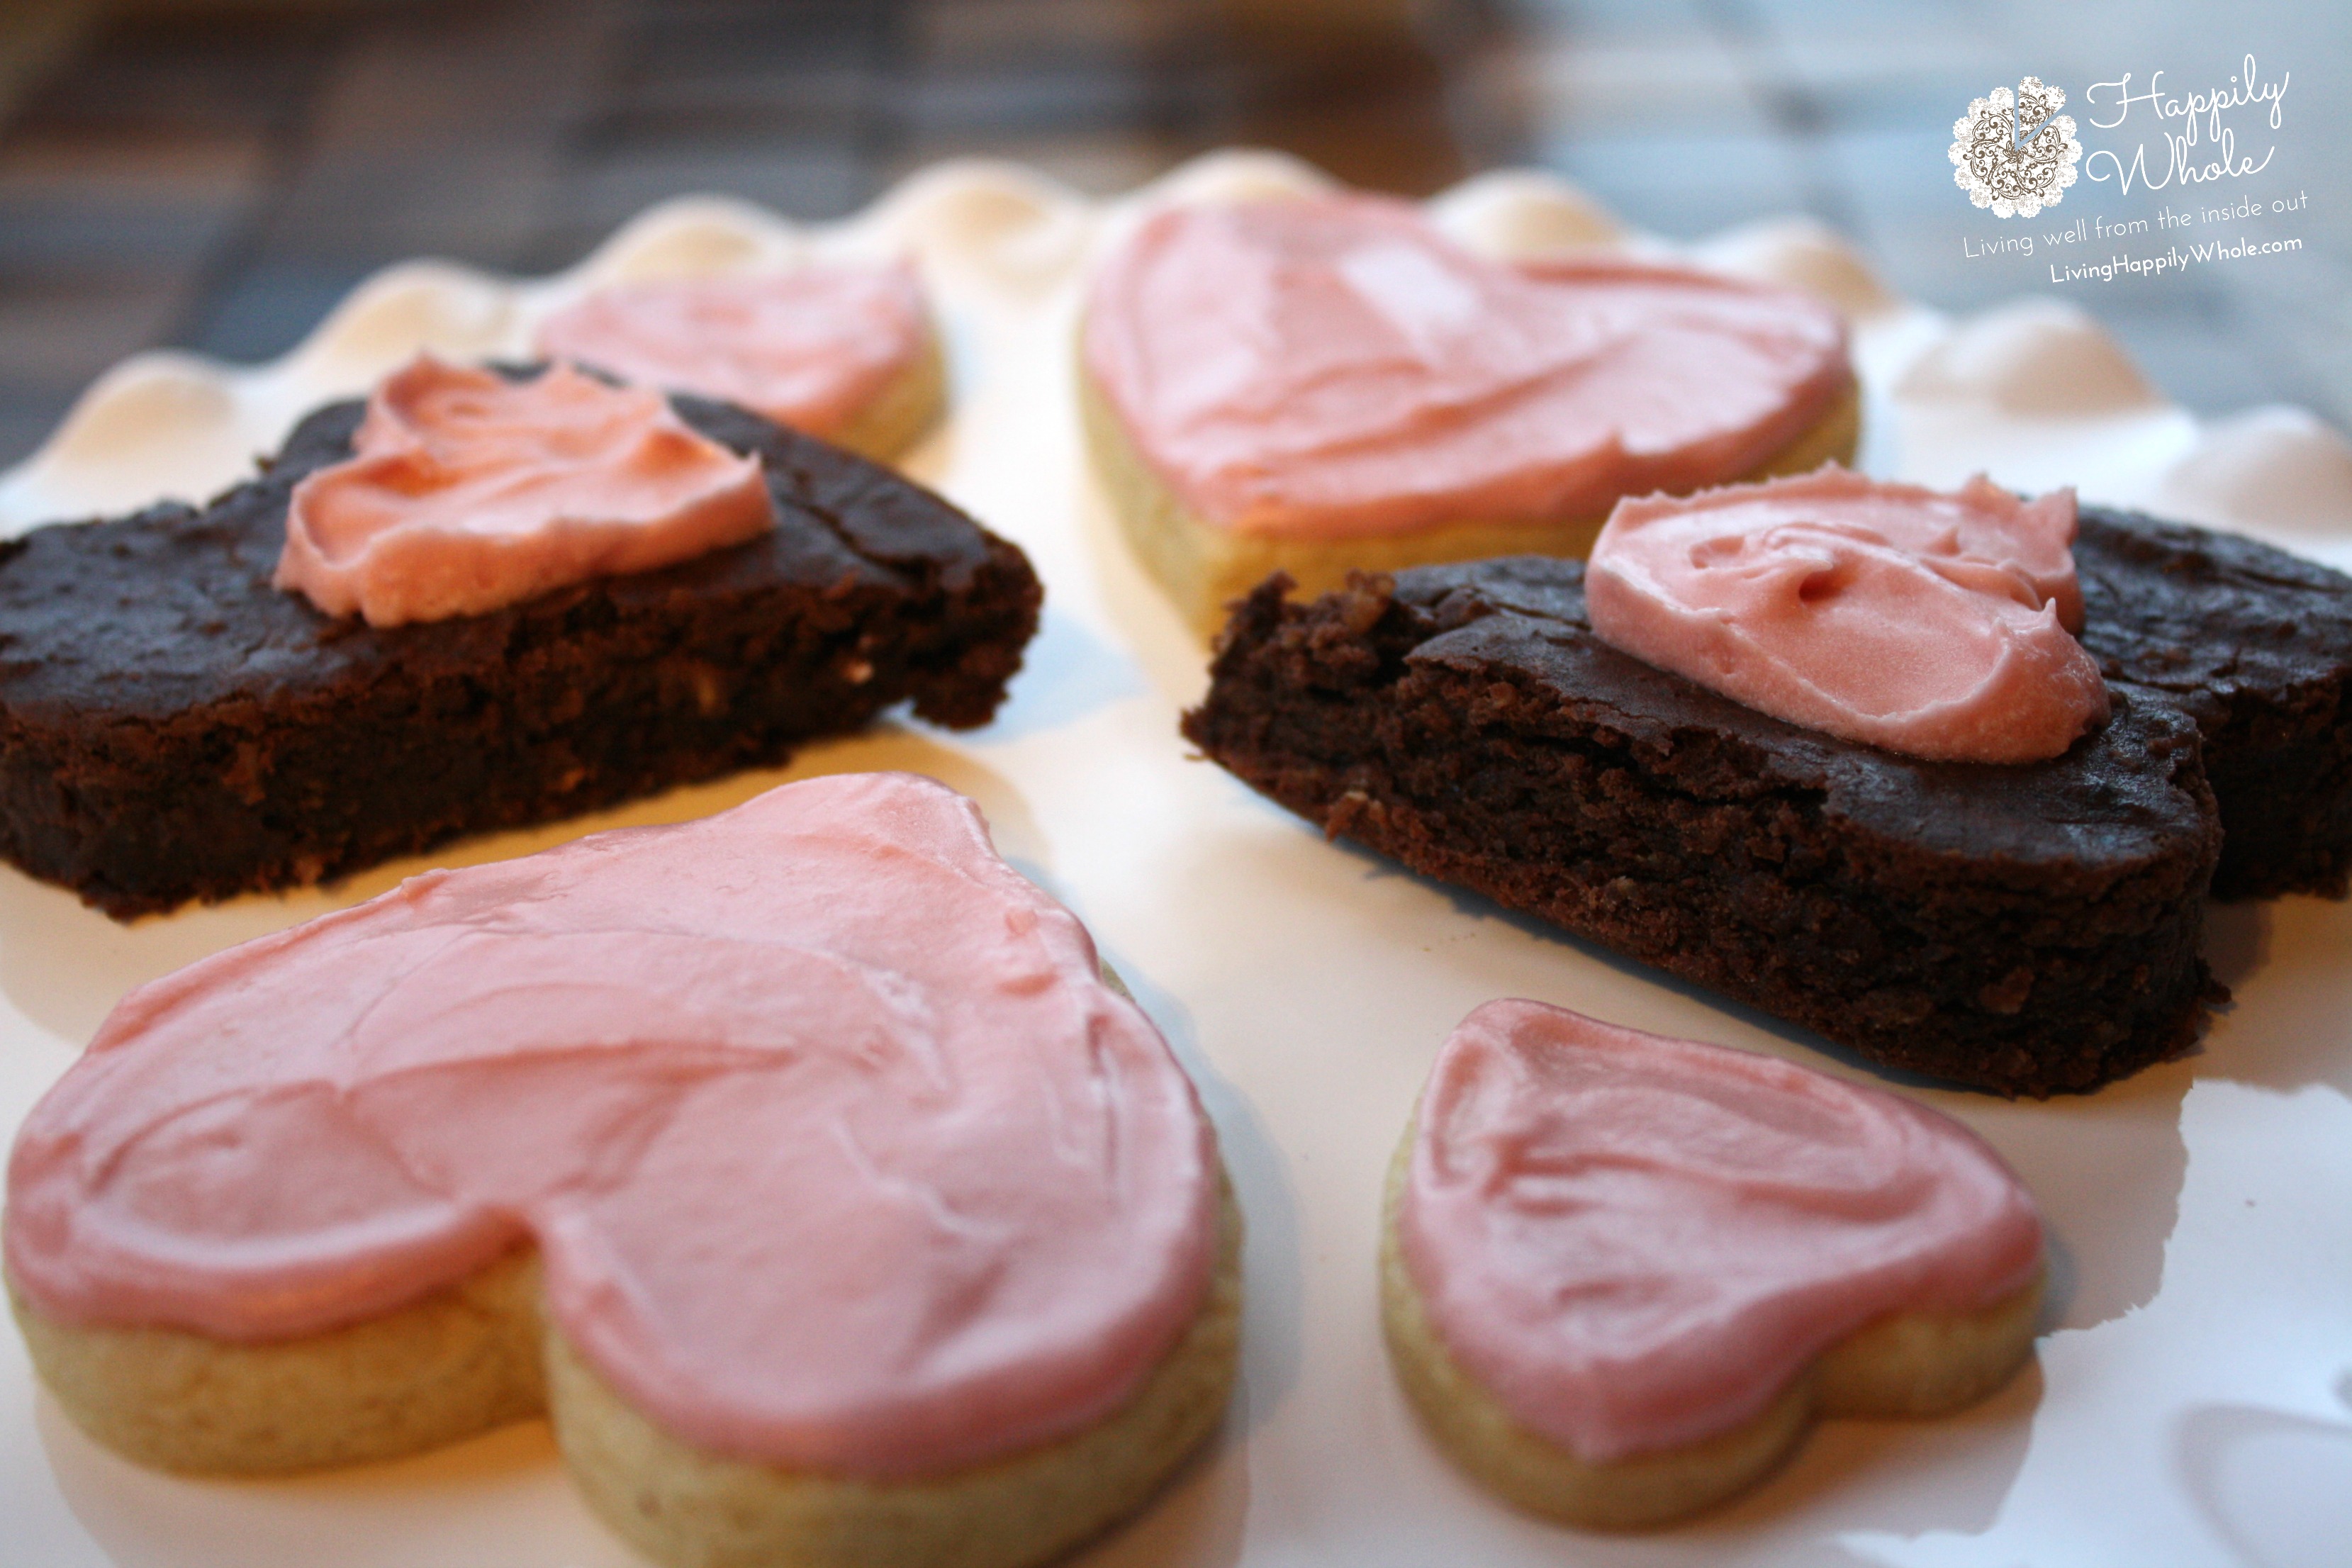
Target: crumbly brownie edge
(1981, 979)
(2255, 643)
(140, 816)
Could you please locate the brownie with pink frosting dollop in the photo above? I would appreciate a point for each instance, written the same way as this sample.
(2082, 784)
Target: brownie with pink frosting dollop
(1946, 777)
(2029, 928)
(175, 725)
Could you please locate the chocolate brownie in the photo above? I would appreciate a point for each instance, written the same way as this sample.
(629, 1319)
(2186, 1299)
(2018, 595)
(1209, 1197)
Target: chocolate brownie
(2028, 929)
(2256, 646)
(171, 726)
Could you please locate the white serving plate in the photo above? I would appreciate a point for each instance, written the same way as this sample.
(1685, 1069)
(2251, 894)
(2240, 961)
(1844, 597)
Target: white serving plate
(2192, 1398)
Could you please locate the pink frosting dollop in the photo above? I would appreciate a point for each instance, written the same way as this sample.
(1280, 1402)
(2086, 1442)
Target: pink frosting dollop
(838, 1151)
(466, 491)
(1635, 1243)
(1937, 624)
(1331, 366)
(810, 347)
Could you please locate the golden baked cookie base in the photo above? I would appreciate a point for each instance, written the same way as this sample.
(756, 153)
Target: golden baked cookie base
(475, 1356)
(460, 1361)
(1204, 568)
(682, 1505)
(1909, 1364)
(903, 412)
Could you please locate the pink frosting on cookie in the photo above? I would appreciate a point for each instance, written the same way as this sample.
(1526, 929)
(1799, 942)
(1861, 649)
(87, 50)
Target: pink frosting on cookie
(1634, 1243)
(810, 347)
(1931, 624)
(466, 491)
(1334, 366)
(838, 1151)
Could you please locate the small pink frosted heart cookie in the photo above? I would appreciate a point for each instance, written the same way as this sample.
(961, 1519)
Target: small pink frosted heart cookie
(798, 1160)
(843, 350)
(1324, 382)
(1622, 1274)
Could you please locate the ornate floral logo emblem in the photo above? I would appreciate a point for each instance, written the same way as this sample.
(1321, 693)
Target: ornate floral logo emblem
(2016, 154)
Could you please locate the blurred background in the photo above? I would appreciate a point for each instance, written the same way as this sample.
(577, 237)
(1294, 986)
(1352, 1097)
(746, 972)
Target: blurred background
(214, 176)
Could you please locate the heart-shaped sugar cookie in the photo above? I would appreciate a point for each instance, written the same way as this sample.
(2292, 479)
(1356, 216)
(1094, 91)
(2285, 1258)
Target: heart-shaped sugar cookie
(844, 349)
(1625, 1272)
(1332, 366)
(837, 1154)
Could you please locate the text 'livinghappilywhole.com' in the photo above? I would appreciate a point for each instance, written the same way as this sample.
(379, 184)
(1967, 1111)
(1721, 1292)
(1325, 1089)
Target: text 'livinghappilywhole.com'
(2173, 259)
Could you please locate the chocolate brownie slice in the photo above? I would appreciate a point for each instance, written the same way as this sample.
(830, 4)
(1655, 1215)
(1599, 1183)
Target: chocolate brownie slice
(2256, 646)
(2026, 929)
(171, 726)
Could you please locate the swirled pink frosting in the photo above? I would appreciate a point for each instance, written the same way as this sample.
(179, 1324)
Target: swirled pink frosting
(466, 491)
(1635, 1243)
(1333, 367)
(837, 1151)
(810, 347)
(1933, 624)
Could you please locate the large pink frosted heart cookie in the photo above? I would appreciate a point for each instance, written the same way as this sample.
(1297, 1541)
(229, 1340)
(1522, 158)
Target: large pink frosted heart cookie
(838, 1156)
(1627, 1271)
(1332, 366)
(1326, 384)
